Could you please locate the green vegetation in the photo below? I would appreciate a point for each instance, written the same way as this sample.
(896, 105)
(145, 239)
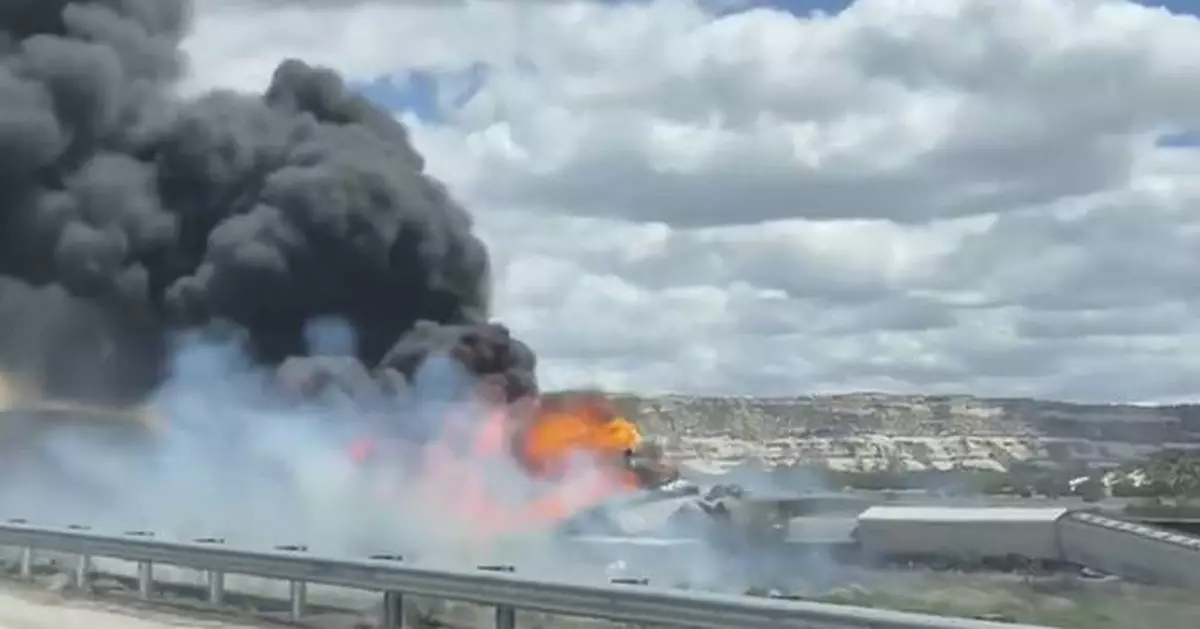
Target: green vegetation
(1169, 475)
(1020, 480)
(1067, 603)
(1158, 508)
(1083, 610)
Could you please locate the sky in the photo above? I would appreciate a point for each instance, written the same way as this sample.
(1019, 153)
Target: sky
(995, 197)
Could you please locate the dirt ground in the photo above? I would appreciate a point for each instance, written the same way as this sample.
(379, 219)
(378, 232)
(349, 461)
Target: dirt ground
(27, 608)
(1066, 602)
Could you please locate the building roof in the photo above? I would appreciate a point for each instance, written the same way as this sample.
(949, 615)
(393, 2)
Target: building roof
(963, 514)
(821, 530)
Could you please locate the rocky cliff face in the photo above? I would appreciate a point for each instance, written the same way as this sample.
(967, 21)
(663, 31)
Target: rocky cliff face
(868, 430)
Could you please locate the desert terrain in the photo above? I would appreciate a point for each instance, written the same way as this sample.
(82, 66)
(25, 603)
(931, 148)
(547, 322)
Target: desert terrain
(914, 432)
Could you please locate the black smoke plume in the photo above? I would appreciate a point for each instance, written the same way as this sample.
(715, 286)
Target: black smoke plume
(127, 213)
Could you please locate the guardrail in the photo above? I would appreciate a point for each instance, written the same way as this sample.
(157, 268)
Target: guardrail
(1189, 542)
(628, 601)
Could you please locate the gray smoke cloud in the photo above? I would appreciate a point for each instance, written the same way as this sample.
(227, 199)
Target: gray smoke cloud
(128, 214)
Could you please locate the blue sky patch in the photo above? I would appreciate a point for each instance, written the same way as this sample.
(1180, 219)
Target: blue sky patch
(415, 92)
(795, 7)
(424, 93)
(1175, 6)
(1181, 139)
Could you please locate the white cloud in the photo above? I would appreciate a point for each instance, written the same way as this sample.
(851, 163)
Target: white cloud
(941, 195)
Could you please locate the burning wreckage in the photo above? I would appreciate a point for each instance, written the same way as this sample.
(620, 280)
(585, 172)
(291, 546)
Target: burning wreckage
(603, 478)
(589, 465)
(587, 471)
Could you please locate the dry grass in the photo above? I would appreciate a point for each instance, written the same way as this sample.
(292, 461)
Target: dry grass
(1056, 602)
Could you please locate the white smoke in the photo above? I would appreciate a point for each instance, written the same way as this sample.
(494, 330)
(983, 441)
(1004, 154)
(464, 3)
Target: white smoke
(227, 459)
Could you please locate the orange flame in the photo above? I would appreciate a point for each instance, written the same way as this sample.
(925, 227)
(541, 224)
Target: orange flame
(572, 451)
(575, 427)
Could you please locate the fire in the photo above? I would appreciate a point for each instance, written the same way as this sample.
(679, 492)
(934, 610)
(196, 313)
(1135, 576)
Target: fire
(587, 426)
(570, 452)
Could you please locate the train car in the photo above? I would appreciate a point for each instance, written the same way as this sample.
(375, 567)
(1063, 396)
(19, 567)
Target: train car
(1134, 551)
(960, 534)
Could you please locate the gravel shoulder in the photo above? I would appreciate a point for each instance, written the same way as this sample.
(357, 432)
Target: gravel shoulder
(30, 607)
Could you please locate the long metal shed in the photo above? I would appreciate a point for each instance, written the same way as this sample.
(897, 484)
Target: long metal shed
(961, 532)
(1130, 549)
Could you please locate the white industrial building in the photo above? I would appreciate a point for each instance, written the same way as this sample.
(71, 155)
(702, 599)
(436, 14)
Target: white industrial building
(960, 532)
(1129, 549)
(989, 537)
(1039, 534)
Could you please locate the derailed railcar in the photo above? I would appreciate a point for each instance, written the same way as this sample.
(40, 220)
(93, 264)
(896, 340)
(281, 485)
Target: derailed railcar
(990, 536)
(1135, 551)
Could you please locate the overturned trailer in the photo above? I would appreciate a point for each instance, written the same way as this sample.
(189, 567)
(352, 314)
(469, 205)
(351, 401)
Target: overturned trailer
(988, 536)
(682, 533)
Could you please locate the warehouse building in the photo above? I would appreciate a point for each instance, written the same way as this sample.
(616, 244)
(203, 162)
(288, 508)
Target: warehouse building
(987, 535)
(1012, 537)
(1131, 550)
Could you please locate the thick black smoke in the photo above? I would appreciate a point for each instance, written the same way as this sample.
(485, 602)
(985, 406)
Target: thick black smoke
(126, 213)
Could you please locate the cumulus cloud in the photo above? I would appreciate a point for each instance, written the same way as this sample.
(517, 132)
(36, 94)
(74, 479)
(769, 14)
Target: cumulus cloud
(947, 195)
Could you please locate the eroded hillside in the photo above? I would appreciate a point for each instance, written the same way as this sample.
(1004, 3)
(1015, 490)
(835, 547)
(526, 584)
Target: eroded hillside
(915, 431)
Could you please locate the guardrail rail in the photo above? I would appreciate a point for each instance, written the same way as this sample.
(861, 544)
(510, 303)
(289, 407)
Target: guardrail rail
(626, 601)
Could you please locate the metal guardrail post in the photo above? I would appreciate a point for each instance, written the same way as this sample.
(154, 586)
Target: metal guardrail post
(83, 562)
(215, 579)
(83, 572)
(297, 590)
(26, 567)
(146, 580)
(393, 611)
(25, 563)
(506, 615)
(145, 570)
(393, 616)
(298, 593)
(216, 587)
